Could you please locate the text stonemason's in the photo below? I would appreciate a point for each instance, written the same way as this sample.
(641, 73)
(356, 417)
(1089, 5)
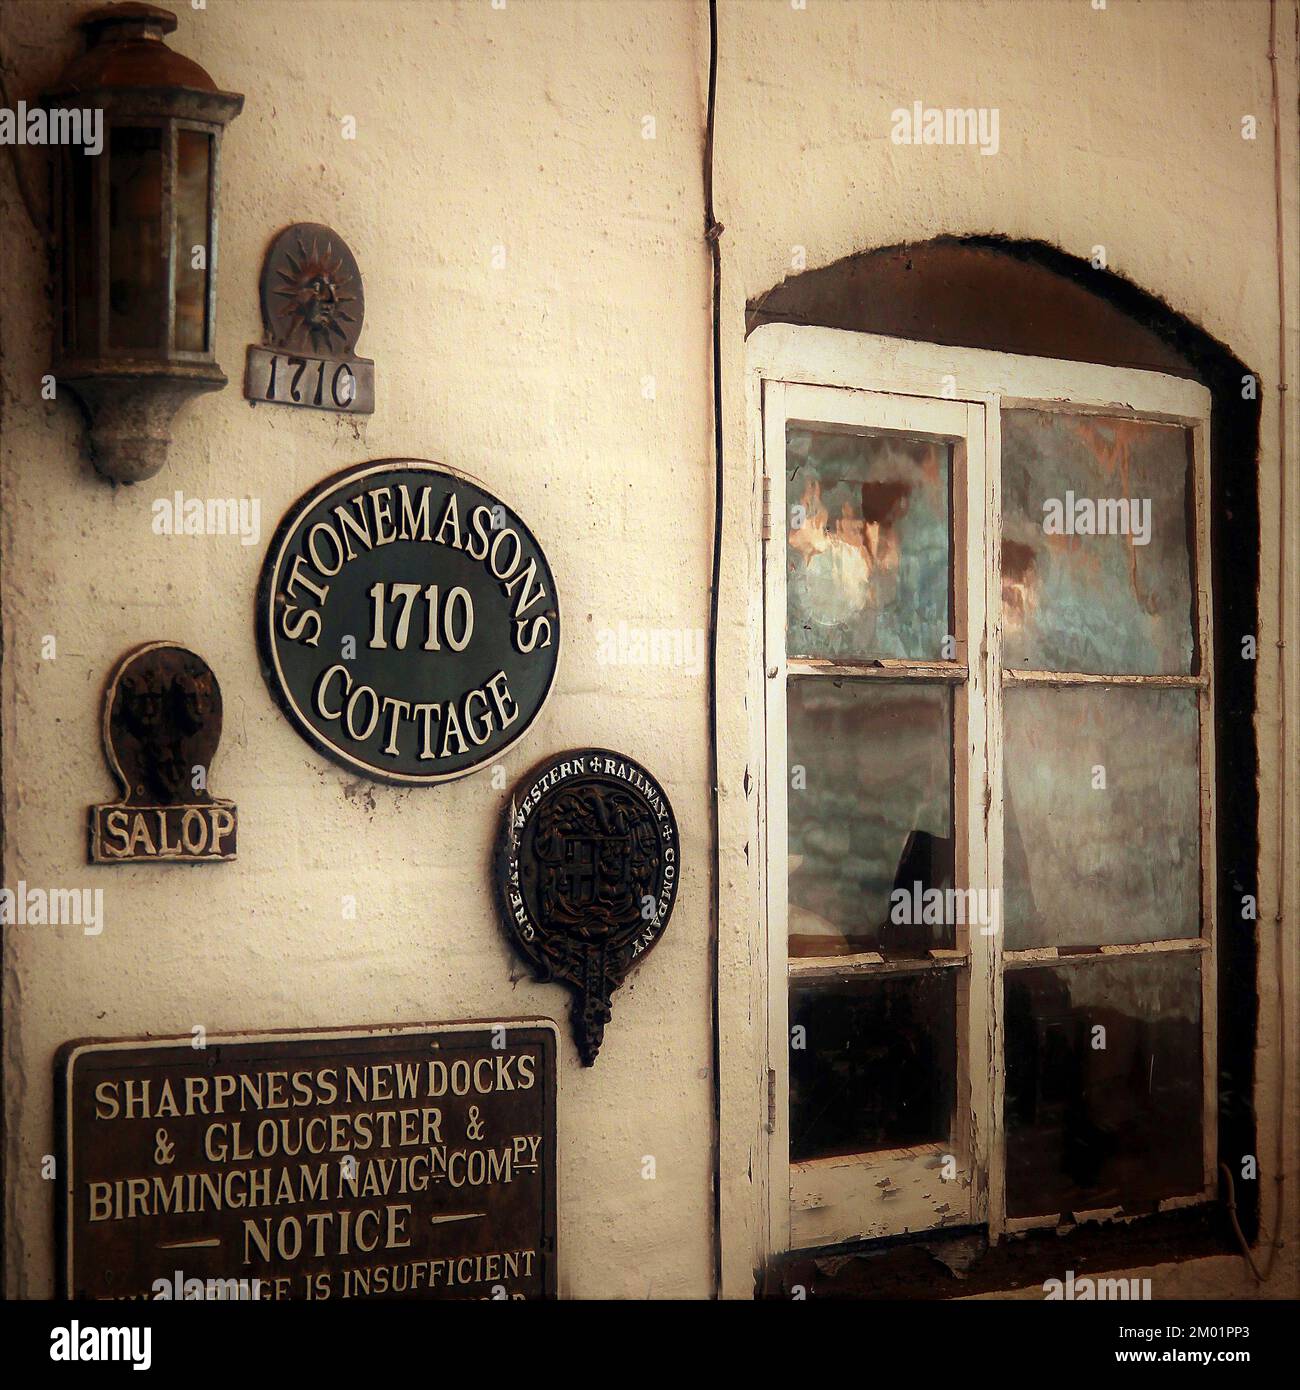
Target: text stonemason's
(369, 522)
(408, 621)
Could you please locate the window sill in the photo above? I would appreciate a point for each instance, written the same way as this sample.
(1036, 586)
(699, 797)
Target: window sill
(958, 1263)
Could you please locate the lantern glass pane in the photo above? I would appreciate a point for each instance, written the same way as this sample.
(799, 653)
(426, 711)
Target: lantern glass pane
(137, 265)
(81, 295)
(193, 249)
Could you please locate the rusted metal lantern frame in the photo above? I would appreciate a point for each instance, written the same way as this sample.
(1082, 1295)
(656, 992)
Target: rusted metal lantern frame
(137, 341)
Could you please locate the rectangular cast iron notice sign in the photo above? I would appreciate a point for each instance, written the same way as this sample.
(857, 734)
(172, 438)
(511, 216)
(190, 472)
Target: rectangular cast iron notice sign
(401, 1162)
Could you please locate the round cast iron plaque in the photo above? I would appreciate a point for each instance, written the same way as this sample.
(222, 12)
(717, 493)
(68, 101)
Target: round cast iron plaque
(407, 621)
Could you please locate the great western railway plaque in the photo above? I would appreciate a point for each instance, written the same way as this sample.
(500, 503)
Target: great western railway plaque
(389, 1163)
(407, 621)
(587, 874)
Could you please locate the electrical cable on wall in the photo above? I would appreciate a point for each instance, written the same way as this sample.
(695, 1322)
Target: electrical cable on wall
(712, 232)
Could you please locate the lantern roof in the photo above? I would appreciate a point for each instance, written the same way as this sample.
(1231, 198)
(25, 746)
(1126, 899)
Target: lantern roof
(125, 49)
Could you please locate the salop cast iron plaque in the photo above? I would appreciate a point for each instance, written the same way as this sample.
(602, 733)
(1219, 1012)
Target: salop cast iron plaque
(161, 728)
(587, 874)
(313, 305)
(407, 621)
(403, 1162)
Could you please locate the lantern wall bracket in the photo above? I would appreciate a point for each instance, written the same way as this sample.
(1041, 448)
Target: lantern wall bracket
(130, 411)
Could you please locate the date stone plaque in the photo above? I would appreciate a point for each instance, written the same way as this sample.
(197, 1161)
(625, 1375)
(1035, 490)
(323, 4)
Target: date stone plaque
(401, 1162)
(313, 306)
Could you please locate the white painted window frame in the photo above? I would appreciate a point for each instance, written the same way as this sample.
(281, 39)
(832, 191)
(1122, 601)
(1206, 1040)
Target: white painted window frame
(796, 372)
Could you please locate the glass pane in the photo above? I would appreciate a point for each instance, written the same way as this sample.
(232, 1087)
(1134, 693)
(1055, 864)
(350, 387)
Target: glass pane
(870, 811)
(1103, 1119)
(81, 326)
(137, 265)
(1102, 829)
(867, 549)
(192, 172)
(876, 1066)
(1096, 567)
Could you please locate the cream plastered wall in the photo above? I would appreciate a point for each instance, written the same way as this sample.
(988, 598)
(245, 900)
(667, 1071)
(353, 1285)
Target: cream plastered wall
(476, 128)
(525, 128)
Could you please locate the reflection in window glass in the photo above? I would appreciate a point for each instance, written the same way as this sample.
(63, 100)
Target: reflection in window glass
(136, 263)
(875, 1068)
(867, 549)
(1102, 828)
(192, 155)
(1101, 1119)
(1096, 569)
(870, 810)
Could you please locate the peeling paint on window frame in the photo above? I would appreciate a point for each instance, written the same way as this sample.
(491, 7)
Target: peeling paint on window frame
(793, 373)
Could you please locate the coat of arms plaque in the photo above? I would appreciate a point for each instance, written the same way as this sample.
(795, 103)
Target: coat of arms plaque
(587, 874)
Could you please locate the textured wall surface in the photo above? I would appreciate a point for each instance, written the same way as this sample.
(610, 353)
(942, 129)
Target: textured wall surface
(475, 129)
(537, 306)
(1118, 128)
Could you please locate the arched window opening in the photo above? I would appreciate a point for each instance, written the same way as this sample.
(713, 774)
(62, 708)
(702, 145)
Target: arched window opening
(1010, 775)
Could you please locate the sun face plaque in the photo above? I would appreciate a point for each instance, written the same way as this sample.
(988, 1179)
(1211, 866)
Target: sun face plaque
(313, 306)
(162, 725)
(407, 621)
(388, 1162)
(587, 874)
